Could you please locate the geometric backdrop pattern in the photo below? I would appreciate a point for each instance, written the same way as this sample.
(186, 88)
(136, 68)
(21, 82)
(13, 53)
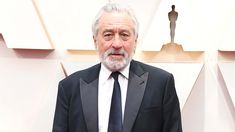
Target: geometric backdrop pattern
(48, 24)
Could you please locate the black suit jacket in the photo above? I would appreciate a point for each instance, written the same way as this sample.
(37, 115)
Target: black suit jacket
(151, 104)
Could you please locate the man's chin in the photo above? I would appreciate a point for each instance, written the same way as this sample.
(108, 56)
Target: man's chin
(115, 65)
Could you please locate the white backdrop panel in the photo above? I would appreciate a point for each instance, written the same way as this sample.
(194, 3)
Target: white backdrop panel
(228, 73)
(69, 21)
(28, 89)
(21, 27)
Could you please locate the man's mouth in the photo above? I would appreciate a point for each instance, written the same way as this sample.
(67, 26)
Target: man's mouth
(116, 54)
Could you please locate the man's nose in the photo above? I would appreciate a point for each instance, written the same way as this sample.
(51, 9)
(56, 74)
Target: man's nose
(117, 42)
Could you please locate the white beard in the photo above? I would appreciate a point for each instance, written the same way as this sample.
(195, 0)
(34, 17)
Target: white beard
(115, 64)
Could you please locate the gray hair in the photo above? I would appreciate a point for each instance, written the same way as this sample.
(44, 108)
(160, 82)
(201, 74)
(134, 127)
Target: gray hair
(115, 7)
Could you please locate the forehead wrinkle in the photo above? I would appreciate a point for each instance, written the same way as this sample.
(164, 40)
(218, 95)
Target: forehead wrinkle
(115, 20)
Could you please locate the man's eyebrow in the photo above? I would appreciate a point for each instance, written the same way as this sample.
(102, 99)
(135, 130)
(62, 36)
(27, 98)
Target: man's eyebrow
(111, 30)
(107, 30)
(124, 30)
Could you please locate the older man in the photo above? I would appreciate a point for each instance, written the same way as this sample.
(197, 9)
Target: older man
(119, 94)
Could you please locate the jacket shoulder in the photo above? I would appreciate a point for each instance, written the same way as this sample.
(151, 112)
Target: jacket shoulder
(87, 74)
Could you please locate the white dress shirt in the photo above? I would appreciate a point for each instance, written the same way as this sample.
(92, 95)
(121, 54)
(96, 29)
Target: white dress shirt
(105, 91)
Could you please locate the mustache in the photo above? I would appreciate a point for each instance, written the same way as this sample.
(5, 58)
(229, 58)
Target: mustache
(115, 52)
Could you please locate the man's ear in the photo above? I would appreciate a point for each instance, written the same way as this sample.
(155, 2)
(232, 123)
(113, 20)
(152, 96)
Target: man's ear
(136, 42)
(94, 39)
(136, 39)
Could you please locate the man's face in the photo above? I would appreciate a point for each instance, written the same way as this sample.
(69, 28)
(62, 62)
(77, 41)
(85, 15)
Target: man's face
(115, 40)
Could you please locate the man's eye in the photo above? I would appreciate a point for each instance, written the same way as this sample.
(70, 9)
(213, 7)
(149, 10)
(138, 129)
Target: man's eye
(107, 35)
(125, 36)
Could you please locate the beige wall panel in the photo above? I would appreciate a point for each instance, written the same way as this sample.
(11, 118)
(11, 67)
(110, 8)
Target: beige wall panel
(28, 89)
(21, 27)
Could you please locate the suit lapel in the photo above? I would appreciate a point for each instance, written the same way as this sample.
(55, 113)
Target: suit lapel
(136, 87)
(89, 97)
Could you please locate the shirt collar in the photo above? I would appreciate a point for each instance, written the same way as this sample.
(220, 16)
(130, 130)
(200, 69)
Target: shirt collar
(105, 73)
(125, 71)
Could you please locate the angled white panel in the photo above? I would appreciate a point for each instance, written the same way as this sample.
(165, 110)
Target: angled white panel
(196, 104)
(28, 89)
(20, 25)
(185, 74)
(69, 21)
(228, 72)
(144, 11)
(201, 25)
